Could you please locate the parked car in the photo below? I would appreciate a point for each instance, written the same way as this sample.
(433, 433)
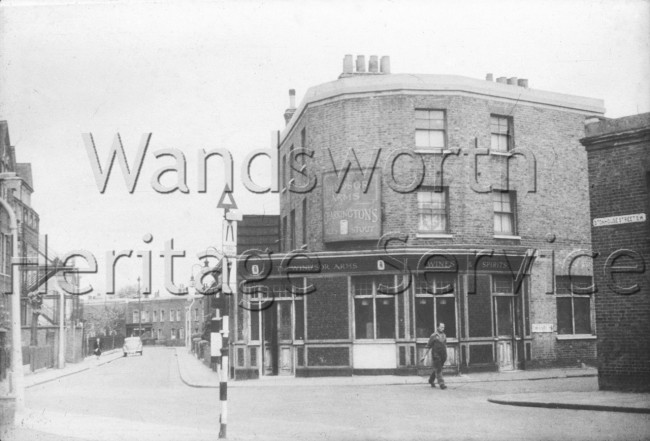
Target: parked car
(132, 345)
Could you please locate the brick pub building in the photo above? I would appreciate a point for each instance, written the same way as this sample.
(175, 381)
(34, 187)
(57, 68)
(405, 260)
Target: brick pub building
(466, 202)
(619, 177)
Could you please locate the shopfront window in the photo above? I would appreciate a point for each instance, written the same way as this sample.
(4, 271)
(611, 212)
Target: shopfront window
(435, 303)
(374, 312)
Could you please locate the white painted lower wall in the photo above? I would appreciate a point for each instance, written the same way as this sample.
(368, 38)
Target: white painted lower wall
(374, 356)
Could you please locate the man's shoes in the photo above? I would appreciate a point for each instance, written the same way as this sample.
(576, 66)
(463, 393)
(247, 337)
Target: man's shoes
(442, 386)
(432, 384)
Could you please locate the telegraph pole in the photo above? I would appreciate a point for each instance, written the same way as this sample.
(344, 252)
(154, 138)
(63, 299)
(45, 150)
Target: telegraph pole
(228, 286)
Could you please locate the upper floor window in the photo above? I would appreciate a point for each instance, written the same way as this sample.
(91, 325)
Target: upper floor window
(501, 133)
(284, 238)
(304, 221)
(162, 315)
(292, 230)
(432, 210)
(290, 165)
(136, 317)
(573, 304)
(504, 203)
(429, 129)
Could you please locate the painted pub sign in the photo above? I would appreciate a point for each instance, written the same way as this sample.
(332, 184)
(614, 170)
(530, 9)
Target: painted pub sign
(351, 213)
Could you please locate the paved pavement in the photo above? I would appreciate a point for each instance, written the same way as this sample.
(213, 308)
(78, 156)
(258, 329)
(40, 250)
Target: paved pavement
(195, 374)
(47, 375)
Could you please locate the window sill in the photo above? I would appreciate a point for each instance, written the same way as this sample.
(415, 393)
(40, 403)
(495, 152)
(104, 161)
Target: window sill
(434, 236)
(576, 337)
(426, 340)
(504, 236)
(370, 341)
(500, 153)
(432, 151)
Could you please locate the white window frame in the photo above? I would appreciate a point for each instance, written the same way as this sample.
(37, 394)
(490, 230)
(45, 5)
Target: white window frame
(429, 206)
(499, 213)
(427, 123)
(501, 133)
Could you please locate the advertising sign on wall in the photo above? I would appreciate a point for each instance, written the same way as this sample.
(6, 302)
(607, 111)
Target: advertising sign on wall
(351, 213)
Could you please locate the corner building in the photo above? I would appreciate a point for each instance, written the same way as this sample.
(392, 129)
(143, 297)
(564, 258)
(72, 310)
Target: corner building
(464, 203)
(619, 176)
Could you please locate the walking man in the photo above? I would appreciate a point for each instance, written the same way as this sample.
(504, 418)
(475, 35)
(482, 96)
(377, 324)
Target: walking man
(438, 346)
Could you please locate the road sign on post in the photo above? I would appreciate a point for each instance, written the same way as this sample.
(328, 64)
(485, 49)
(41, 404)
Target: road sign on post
(228, 287)
(227, 201)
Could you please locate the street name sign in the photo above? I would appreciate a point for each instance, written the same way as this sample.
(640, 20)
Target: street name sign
(618, 220)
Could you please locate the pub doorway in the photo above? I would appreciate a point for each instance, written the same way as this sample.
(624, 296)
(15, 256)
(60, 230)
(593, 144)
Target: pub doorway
(277, 347)
(507, 324)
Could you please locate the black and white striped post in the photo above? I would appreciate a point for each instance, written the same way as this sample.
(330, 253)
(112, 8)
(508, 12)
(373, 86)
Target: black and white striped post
(228, 286)
(223, 377)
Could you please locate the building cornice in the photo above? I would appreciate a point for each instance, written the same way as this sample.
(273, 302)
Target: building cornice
(426, 84)
(617, 139)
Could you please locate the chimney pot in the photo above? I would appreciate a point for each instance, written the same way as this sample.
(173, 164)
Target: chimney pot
(292, 98)
(503, 80)
(361, 63)
(292, 106)
(512, 81)
(489, 77)
(523, 83)
(385, 65)
(348, 66)
(373, 64)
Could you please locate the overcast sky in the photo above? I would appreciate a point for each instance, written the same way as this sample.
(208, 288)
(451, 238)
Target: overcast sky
(206, 75)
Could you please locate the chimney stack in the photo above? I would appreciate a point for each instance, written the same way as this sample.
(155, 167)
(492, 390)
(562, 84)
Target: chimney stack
(489, 77)
(502, 80)
(292, 106)
(375, 66)
(512, 81)
(522, 82)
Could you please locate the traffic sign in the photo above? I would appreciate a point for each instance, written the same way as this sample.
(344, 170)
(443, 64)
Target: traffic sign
(227, 204)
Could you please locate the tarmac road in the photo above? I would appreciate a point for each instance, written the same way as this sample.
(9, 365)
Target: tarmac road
(143, 398)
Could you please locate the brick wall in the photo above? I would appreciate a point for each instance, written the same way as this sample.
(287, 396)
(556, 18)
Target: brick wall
(558, 208)
(619, 163)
